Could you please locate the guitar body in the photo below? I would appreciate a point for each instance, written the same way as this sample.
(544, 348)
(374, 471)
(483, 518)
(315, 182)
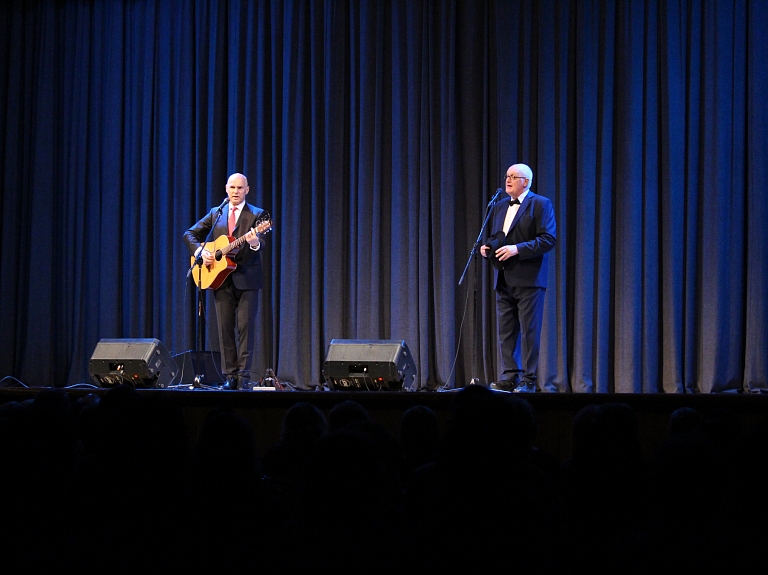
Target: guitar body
(212, 276)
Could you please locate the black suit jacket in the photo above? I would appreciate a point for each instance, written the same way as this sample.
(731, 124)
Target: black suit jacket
(533, 231)
(248, 275)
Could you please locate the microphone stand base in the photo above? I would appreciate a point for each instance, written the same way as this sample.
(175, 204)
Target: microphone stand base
(200, 368)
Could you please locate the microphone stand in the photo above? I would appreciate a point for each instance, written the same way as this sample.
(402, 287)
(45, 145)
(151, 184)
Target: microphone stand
(473, 257)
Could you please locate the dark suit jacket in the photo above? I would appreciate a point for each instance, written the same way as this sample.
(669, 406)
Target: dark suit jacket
(248, 274)
(534, 232)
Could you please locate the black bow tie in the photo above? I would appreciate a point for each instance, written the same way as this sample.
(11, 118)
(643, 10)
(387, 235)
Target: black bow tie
(514, 202)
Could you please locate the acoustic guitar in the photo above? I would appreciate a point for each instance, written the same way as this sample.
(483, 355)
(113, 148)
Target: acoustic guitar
(212, 276)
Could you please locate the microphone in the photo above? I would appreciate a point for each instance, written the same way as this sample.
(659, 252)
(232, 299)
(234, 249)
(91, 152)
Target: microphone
(224, 203)
(495, 196)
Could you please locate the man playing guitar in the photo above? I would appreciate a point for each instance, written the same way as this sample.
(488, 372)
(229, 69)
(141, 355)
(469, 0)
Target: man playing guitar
(236, 278)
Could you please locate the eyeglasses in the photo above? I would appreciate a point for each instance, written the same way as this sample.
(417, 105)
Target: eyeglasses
(515, 177)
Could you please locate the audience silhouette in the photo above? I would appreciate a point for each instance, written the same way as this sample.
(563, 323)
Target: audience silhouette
(112, 483)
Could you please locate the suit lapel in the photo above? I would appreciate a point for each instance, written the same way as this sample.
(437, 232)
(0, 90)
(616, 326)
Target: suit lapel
(524, 206)
(244, 222)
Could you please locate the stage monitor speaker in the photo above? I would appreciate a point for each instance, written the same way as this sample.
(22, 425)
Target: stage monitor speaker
(137, 362)
(369, 365)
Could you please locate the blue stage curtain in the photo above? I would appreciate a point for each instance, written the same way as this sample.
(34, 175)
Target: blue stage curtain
(375, 133)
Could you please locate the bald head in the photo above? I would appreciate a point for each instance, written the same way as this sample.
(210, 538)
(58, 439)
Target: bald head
(237, 188)
(238, 176)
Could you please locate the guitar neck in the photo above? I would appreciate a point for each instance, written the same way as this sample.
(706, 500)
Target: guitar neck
(265, 225)
(234, 245)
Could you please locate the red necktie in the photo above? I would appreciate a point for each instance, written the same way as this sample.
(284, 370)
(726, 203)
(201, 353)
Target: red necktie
(232, 220)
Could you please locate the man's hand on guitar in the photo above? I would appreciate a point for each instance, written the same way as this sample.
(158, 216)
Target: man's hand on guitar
(253, 239)
(208, 258)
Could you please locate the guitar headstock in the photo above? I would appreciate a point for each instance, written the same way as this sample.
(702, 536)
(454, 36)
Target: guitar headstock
(263, 226)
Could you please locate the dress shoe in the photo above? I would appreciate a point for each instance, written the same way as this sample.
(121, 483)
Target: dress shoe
(503, 385)
(230, 384)
(525, 387)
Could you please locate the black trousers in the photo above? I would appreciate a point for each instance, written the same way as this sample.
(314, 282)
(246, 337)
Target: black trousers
(236, 313)
(519, 314)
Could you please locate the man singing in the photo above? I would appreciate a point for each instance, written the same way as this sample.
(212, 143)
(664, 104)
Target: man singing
(523, 231)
